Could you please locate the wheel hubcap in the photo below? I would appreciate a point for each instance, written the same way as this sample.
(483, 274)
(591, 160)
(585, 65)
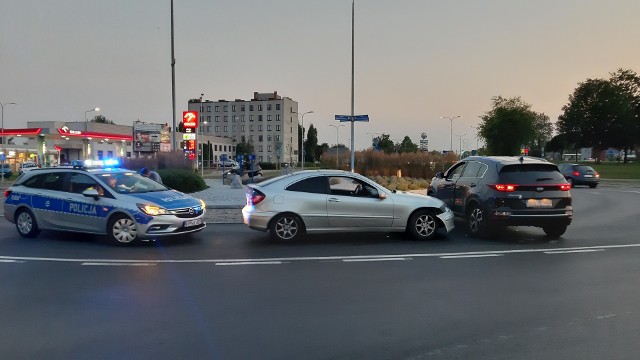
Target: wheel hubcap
(25, 223)
(286, 228)
(425, 225)
(124, 231)
(475, 220)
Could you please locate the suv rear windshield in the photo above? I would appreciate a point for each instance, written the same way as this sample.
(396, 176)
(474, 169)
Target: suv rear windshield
(530, 174)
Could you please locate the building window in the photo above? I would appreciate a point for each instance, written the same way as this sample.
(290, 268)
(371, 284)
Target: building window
(259, 117)
(277, 117)
(250, 117)
(242, 118)
(277, 106)
(208, 129)
(268, 106)
(260, 138)
(250, 138)
(277, 127)
(233, 128)
(262, 158)
(268, 127)
(215, 147)
(277, 137)
(242, 108)
(226, 118)
(208, 118)
(269, 148)
(224, 108)
(233, 108)
(243, 128)
(250, 107)
(260, 148)
(226, 128)
(217, 108)
(217, 118)
(268, 117)
(209, 108)
(259, 107)
(259, 127)
(217, 128)
(269, 138)
(234, 118)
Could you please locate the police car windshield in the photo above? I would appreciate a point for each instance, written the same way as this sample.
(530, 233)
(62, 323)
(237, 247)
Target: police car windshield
(130, 182)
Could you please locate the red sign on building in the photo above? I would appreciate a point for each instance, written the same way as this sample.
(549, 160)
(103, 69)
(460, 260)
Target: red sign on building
(190, 119)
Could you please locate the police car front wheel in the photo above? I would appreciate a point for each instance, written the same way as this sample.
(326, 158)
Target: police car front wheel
(122, 230)
(26, 224)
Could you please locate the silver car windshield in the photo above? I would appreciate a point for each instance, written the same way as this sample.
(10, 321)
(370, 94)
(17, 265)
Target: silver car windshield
(130, 183)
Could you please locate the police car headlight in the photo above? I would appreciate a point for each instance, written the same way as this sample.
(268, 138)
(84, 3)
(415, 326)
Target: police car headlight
(152, 210)
(203, 204)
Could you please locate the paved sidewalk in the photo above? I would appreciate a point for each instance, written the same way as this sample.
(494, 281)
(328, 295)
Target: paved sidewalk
(224, 204)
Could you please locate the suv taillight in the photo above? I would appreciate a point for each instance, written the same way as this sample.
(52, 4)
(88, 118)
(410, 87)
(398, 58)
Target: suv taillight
(7, 193)
(504, 187)
(255, 197)
(565, 187)
(575, 173)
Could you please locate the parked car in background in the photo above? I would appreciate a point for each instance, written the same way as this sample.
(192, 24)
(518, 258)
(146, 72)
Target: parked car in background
(333, 201)
(227, 163)
(493, 192)
(6, 170)
(27, 166)
(577, 174)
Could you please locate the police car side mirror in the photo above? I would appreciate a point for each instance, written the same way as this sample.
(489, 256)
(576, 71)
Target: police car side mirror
(91, 193)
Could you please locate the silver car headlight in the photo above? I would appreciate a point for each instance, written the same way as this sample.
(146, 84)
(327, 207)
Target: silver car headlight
(153, 210)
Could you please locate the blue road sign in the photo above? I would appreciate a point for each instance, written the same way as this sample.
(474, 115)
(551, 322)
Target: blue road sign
(3, 157)
(223, 157)
(343, 118)
(252, 157)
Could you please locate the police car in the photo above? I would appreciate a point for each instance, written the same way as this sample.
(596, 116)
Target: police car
(99, 198)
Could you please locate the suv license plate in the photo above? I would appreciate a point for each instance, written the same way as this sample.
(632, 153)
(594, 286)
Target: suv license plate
(193, 222)
(539, 203)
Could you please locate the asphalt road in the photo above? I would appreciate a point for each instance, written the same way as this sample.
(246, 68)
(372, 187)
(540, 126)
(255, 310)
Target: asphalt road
(230, 293)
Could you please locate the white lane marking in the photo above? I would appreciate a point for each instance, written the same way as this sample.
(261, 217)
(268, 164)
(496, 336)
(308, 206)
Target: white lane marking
(469, 256)
(317, 258)
(376, 259)
(116, 264)
(573, 251)
(250, 263)
(11, 261)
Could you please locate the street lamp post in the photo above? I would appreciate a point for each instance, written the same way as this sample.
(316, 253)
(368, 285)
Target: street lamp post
(3, 140)
(86, 140)
(451, 129)
(302, 140)
(460, 140)
(337, 148)
(477, 137)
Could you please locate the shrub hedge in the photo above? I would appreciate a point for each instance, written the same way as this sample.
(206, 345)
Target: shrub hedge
(182, 180)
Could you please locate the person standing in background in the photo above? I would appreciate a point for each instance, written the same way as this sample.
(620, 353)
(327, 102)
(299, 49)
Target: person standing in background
(146, 172)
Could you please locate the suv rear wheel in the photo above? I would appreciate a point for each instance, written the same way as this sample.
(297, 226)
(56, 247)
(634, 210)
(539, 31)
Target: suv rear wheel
(555, 231)
(477, 222)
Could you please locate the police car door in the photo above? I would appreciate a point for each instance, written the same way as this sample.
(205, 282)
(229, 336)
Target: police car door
(47, 198)
(82, 213)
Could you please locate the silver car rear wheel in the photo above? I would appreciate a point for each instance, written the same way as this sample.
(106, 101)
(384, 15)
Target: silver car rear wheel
(286, 227)
(122, 230)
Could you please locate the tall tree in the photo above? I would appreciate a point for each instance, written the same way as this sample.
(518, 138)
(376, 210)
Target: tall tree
(407, 146)
(244, 147)
(321, 149)
(599, 115)
(543, 132)
(630, 82)
(508, 126)
(386, 144)
(310, 144)
(102, 120)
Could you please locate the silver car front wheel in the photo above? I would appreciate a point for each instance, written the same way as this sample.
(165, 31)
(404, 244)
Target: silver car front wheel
(423, 225)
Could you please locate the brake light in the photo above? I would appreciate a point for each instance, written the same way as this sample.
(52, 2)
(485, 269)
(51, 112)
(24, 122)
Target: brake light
(7, 193)
(255, 197)
(565, 187)
(504, 187)
(596, 175)
(575, 173)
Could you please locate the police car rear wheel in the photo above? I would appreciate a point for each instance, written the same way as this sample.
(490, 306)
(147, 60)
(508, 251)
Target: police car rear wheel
(26, 224)
(122, 230)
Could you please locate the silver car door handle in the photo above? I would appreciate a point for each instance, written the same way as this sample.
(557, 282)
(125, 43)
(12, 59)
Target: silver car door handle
(334, 200)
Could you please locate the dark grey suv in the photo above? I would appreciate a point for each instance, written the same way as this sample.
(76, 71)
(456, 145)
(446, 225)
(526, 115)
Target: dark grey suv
(497, 191)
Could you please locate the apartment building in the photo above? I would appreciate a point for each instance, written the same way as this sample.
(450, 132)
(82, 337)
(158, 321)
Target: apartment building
(268, 121)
